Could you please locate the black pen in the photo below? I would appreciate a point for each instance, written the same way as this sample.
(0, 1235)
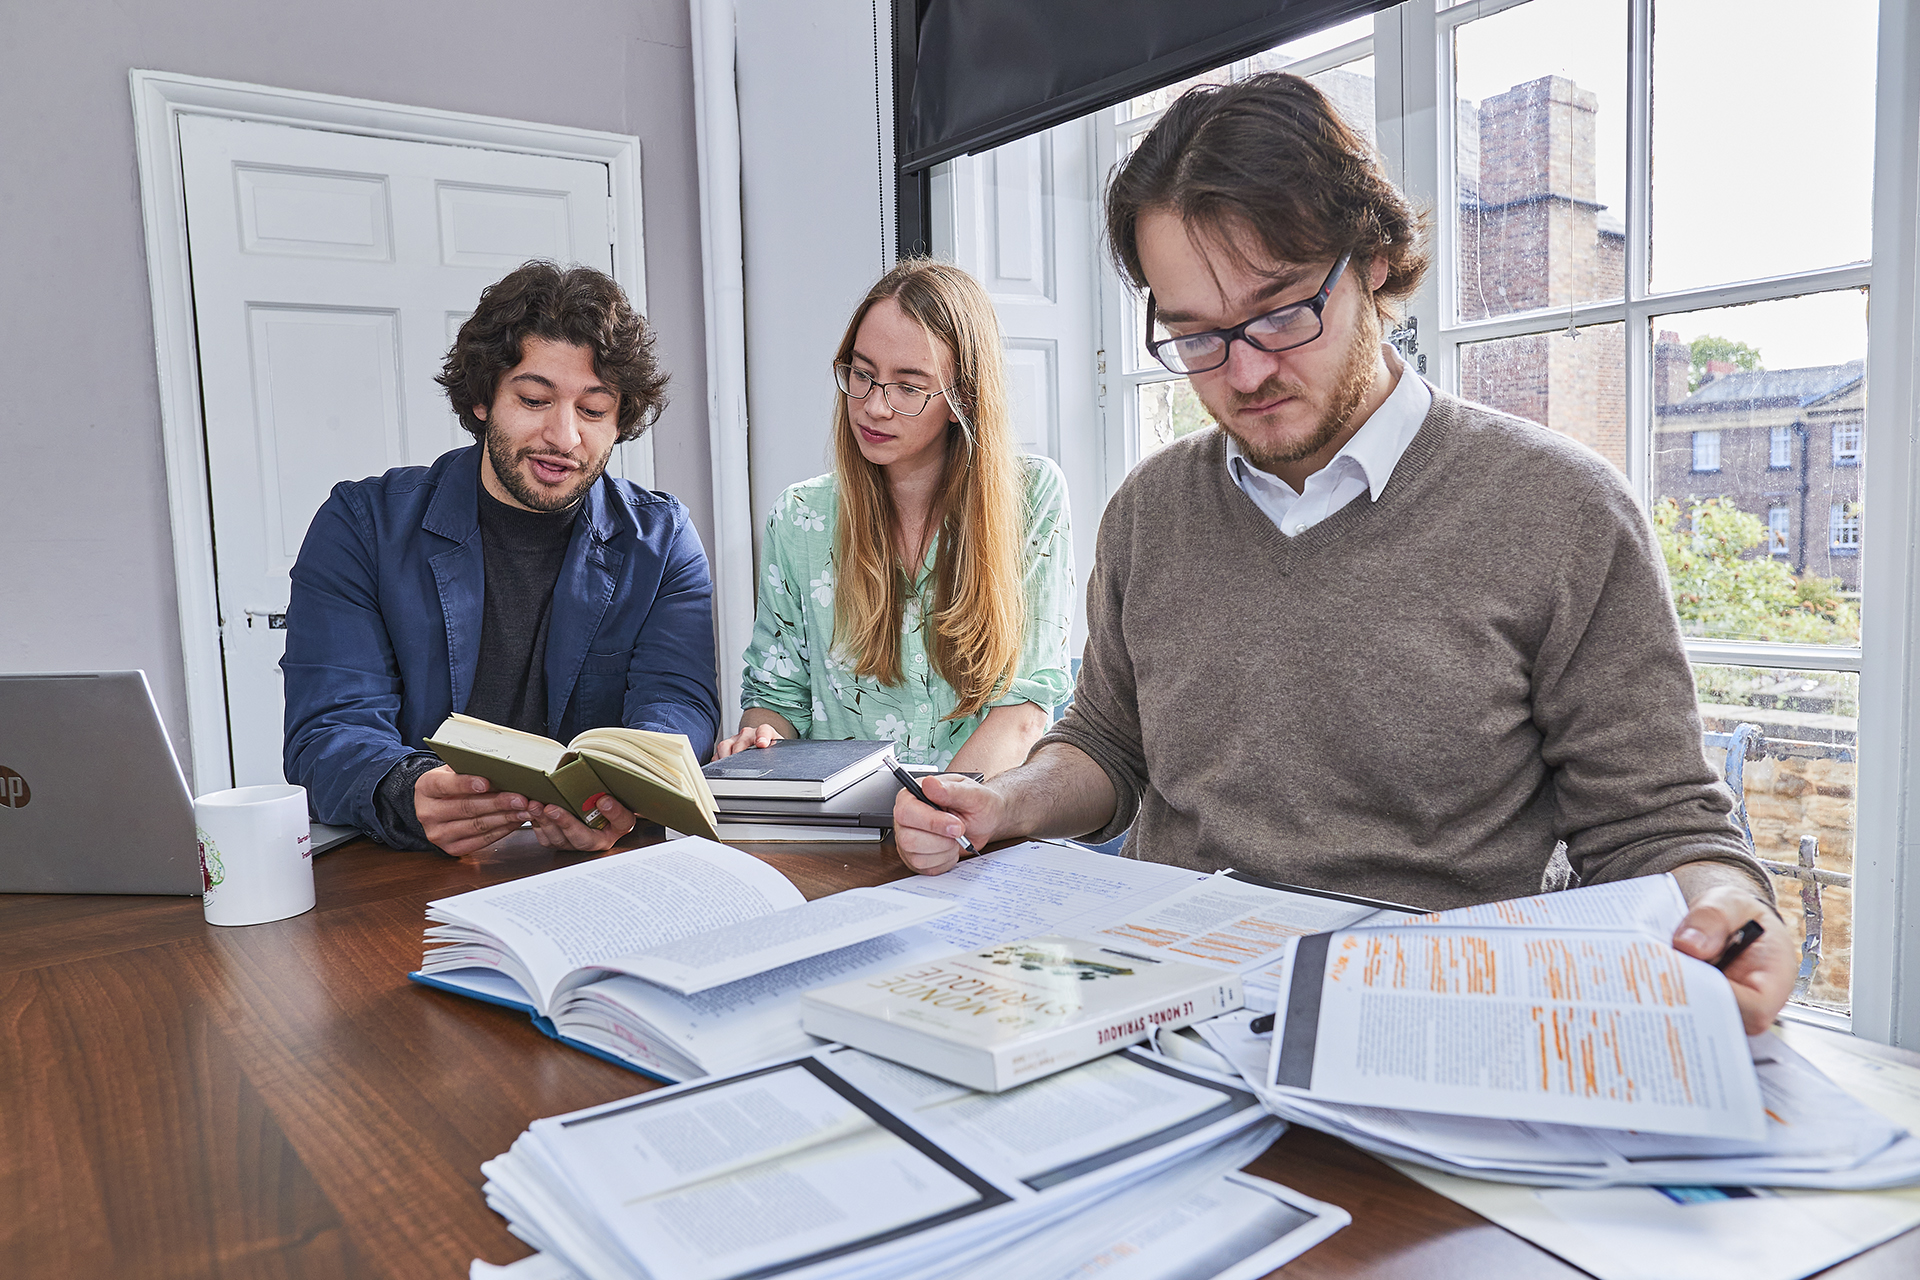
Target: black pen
(913, 789)
(1743, 937)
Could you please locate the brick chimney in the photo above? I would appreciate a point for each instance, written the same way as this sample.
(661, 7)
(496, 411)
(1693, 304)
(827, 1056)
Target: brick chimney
(1671, 360)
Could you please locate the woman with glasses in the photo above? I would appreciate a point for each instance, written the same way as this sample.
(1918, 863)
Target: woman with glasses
(923, 590)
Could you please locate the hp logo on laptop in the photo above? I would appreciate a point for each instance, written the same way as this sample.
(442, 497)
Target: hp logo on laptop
(14, 792)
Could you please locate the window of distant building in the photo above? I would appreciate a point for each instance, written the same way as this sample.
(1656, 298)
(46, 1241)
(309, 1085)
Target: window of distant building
(1780, 447)
(1846, 444)
(1843, 529)
(1779, 528)
(1706, 451)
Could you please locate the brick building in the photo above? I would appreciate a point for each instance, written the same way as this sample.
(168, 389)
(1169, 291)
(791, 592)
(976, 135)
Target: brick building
(1533, 236)
(1783, 444)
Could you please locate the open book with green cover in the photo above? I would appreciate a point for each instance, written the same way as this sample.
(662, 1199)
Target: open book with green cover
(654, 774)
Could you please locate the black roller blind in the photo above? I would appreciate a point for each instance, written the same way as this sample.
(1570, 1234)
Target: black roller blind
(984, 72)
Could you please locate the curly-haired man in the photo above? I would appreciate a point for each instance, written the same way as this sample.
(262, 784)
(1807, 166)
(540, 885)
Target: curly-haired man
(512, 580)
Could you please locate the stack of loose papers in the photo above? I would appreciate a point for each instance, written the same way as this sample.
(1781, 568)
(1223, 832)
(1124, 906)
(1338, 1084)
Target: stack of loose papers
(836, 1163)
(1558, 1041)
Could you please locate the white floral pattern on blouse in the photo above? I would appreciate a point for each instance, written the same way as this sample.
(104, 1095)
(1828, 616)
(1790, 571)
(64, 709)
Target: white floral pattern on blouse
(824, 699)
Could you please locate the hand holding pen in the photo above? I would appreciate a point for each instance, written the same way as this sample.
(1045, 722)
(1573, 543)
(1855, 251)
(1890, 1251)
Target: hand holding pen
(912, 788)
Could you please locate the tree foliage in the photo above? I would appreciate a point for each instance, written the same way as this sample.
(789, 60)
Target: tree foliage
(1707, 348)
(1721, 590)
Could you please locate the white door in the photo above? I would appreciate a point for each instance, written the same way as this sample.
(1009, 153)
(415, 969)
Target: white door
(1022, 219)
(330, 272)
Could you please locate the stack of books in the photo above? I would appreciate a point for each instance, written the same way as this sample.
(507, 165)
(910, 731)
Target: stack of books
(804, 789)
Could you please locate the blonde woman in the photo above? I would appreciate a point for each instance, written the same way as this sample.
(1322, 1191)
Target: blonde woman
(922, 590)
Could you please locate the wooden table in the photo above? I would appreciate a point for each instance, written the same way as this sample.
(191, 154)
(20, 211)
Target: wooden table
(183, 1100)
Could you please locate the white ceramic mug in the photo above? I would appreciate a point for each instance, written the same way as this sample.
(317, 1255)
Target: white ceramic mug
(256, 853)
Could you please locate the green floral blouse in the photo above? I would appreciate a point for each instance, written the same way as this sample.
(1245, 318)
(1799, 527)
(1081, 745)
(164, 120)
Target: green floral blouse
(791, 668)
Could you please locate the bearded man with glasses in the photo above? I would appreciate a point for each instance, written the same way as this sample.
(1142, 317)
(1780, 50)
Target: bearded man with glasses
(1367, 637)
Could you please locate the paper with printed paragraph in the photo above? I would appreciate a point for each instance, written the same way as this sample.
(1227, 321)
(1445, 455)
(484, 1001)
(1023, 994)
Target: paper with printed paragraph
(1615, 1030)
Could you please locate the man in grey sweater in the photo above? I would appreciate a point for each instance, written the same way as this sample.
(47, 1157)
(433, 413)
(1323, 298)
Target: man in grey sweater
(1365, 637)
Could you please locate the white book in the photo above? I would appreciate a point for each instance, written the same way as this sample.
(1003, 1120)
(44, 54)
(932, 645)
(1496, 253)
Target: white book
(999, 1017)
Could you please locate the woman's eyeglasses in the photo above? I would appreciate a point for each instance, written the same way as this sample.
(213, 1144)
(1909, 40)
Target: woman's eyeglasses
(901, 397)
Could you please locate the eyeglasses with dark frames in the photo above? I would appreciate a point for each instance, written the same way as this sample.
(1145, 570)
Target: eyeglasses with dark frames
(1282, 329)
(901, 397)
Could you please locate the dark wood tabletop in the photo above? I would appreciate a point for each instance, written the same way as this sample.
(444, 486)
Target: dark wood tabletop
(178, 1099)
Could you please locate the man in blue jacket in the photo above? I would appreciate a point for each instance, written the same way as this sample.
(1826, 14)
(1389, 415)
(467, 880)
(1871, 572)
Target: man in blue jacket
(512, 580)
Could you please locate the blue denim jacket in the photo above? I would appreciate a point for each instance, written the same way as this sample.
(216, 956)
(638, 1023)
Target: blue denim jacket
(383, 626)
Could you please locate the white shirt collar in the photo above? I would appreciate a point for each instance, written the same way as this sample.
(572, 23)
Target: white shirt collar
(1376, 448)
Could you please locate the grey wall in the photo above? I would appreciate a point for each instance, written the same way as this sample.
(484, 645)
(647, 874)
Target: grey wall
(88, 569)
(816, 234)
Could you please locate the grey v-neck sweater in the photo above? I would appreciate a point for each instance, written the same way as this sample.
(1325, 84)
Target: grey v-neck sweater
(1413, 699)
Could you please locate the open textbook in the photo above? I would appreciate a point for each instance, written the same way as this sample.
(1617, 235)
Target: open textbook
(838, 1163)
(1811, 1133)
(1568, 1008)
(622, 956)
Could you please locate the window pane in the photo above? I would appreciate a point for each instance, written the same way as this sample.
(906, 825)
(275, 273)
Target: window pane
(1160, 99)
(1277, 58)
(1349, 87)
(1804, 786)
(1573, 384)
(1780, 388)
(1752, 177)
(1540, 156)
(1167, 411)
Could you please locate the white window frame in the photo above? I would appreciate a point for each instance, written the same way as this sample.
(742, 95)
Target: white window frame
(1706, 451)
(1780, 448)
(1846, 443)
(1843, 528)
(1413, 76)
(1779, 530)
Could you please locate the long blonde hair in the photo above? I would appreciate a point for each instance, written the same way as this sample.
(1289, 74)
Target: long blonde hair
(979, 598)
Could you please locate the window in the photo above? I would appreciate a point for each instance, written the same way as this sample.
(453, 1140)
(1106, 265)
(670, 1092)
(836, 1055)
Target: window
(1706, 451)
(1843, 529)
(1780, 447)
(1779, 528)
(1846, 444)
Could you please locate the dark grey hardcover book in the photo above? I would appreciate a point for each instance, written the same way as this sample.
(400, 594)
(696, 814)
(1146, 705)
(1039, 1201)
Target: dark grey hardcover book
(797, 768)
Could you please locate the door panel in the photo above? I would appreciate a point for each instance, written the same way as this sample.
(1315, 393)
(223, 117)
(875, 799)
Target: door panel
(1023, 221)
(330, 272)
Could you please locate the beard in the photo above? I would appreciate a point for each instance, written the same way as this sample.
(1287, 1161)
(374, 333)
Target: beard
(506, 468)
(1349, 391)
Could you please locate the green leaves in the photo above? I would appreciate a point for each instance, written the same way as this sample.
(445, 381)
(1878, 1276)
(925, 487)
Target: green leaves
(1721, 589)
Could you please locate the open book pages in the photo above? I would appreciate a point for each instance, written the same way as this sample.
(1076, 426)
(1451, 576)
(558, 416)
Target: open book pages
(548, 943)
(857, 1166)
(513, 745)
(1595, 1020)
(687, 915)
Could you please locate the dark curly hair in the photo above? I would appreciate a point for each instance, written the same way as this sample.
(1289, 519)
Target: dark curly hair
(1268, 155)
(580, 306)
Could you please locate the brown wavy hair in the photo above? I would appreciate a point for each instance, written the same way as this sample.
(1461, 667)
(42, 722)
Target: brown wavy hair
(979, 597)
(1270, 156)
(579, 305)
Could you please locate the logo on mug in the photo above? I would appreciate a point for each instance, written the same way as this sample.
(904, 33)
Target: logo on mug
(212, 870)
(14, 791)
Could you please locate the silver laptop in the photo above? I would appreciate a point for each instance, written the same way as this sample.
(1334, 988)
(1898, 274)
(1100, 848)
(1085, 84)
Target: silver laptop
(92, 799)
